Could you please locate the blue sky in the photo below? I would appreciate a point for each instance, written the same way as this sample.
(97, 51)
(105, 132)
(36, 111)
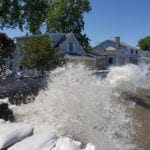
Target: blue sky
(129, 19)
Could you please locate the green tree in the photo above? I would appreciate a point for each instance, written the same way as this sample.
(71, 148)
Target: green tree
(144, 43)
(7, 47)
(38, 16)
(27, 15)
(38, 53)
(67, 16)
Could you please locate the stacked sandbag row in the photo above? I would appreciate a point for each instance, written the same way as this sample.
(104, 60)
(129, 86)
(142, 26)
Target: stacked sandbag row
(19, 136)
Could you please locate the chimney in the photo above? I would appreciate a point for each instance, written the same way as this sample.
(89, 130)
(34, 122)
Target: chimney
(117, 40)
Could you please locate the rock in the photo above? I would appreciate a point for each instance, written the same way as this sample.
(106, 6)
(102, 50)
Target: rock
(21, 90)
(5, 112)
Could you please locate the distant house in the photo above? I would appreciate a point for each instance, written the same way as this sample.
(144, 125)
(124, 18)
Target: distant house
(145, 58)
(67, 43)
(117, 53)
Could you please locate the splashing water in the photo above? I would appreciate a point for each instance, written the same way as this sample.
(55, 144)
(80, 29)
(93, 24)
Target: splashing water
(80, 105)
(128, 78)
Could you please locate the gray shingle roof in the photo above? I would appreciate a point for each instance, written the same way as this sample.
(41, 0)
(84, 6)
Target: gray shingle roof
(121, 44)
(126, 45)
(57, 38)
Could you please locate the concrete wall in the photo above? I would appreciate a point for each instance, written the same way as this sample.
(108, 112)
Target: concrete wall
(100, 63)
(90, 63)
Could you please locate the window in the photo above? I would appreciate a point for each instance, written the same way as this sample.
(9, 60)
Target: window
(136, 52)
(110, 61)
(131, 51)
(70, 46)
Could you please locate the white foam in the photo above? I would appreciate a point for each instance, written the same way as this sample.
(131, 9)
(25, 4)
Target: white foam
(5, 100)
(79, 105)
(128, 78)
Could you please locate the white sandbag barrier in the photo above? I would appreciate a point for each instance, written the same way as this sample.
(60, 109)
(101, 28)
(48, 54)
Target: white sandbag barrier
(35, 142)
(11, 133)
(19, 136)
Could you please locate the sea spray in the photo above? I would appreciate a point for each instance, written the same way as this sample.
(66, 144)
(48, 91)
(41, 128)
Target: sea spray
(128, 78)
(79, 105)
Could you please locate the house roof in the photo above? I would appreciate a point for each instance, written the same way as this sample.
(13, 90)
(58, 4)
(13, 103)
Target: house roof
(127, 45)
(58, 38)
(54, 36)
(121, 44)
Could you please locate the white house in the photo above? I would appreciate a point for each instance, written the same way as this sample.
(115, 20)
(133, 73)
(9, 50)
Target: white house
(117, 53)
(67, 43)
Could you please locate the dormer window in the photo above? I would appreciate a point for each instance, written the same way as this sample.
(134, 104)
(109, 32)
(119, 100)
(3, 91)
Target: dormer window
(136, 52)
(70, 46)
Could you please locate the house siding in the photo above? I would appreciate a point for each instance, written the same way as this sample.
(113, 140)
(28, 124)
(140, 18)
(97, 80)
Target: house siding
(125, 54)
(77, 49)
(59, 40)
